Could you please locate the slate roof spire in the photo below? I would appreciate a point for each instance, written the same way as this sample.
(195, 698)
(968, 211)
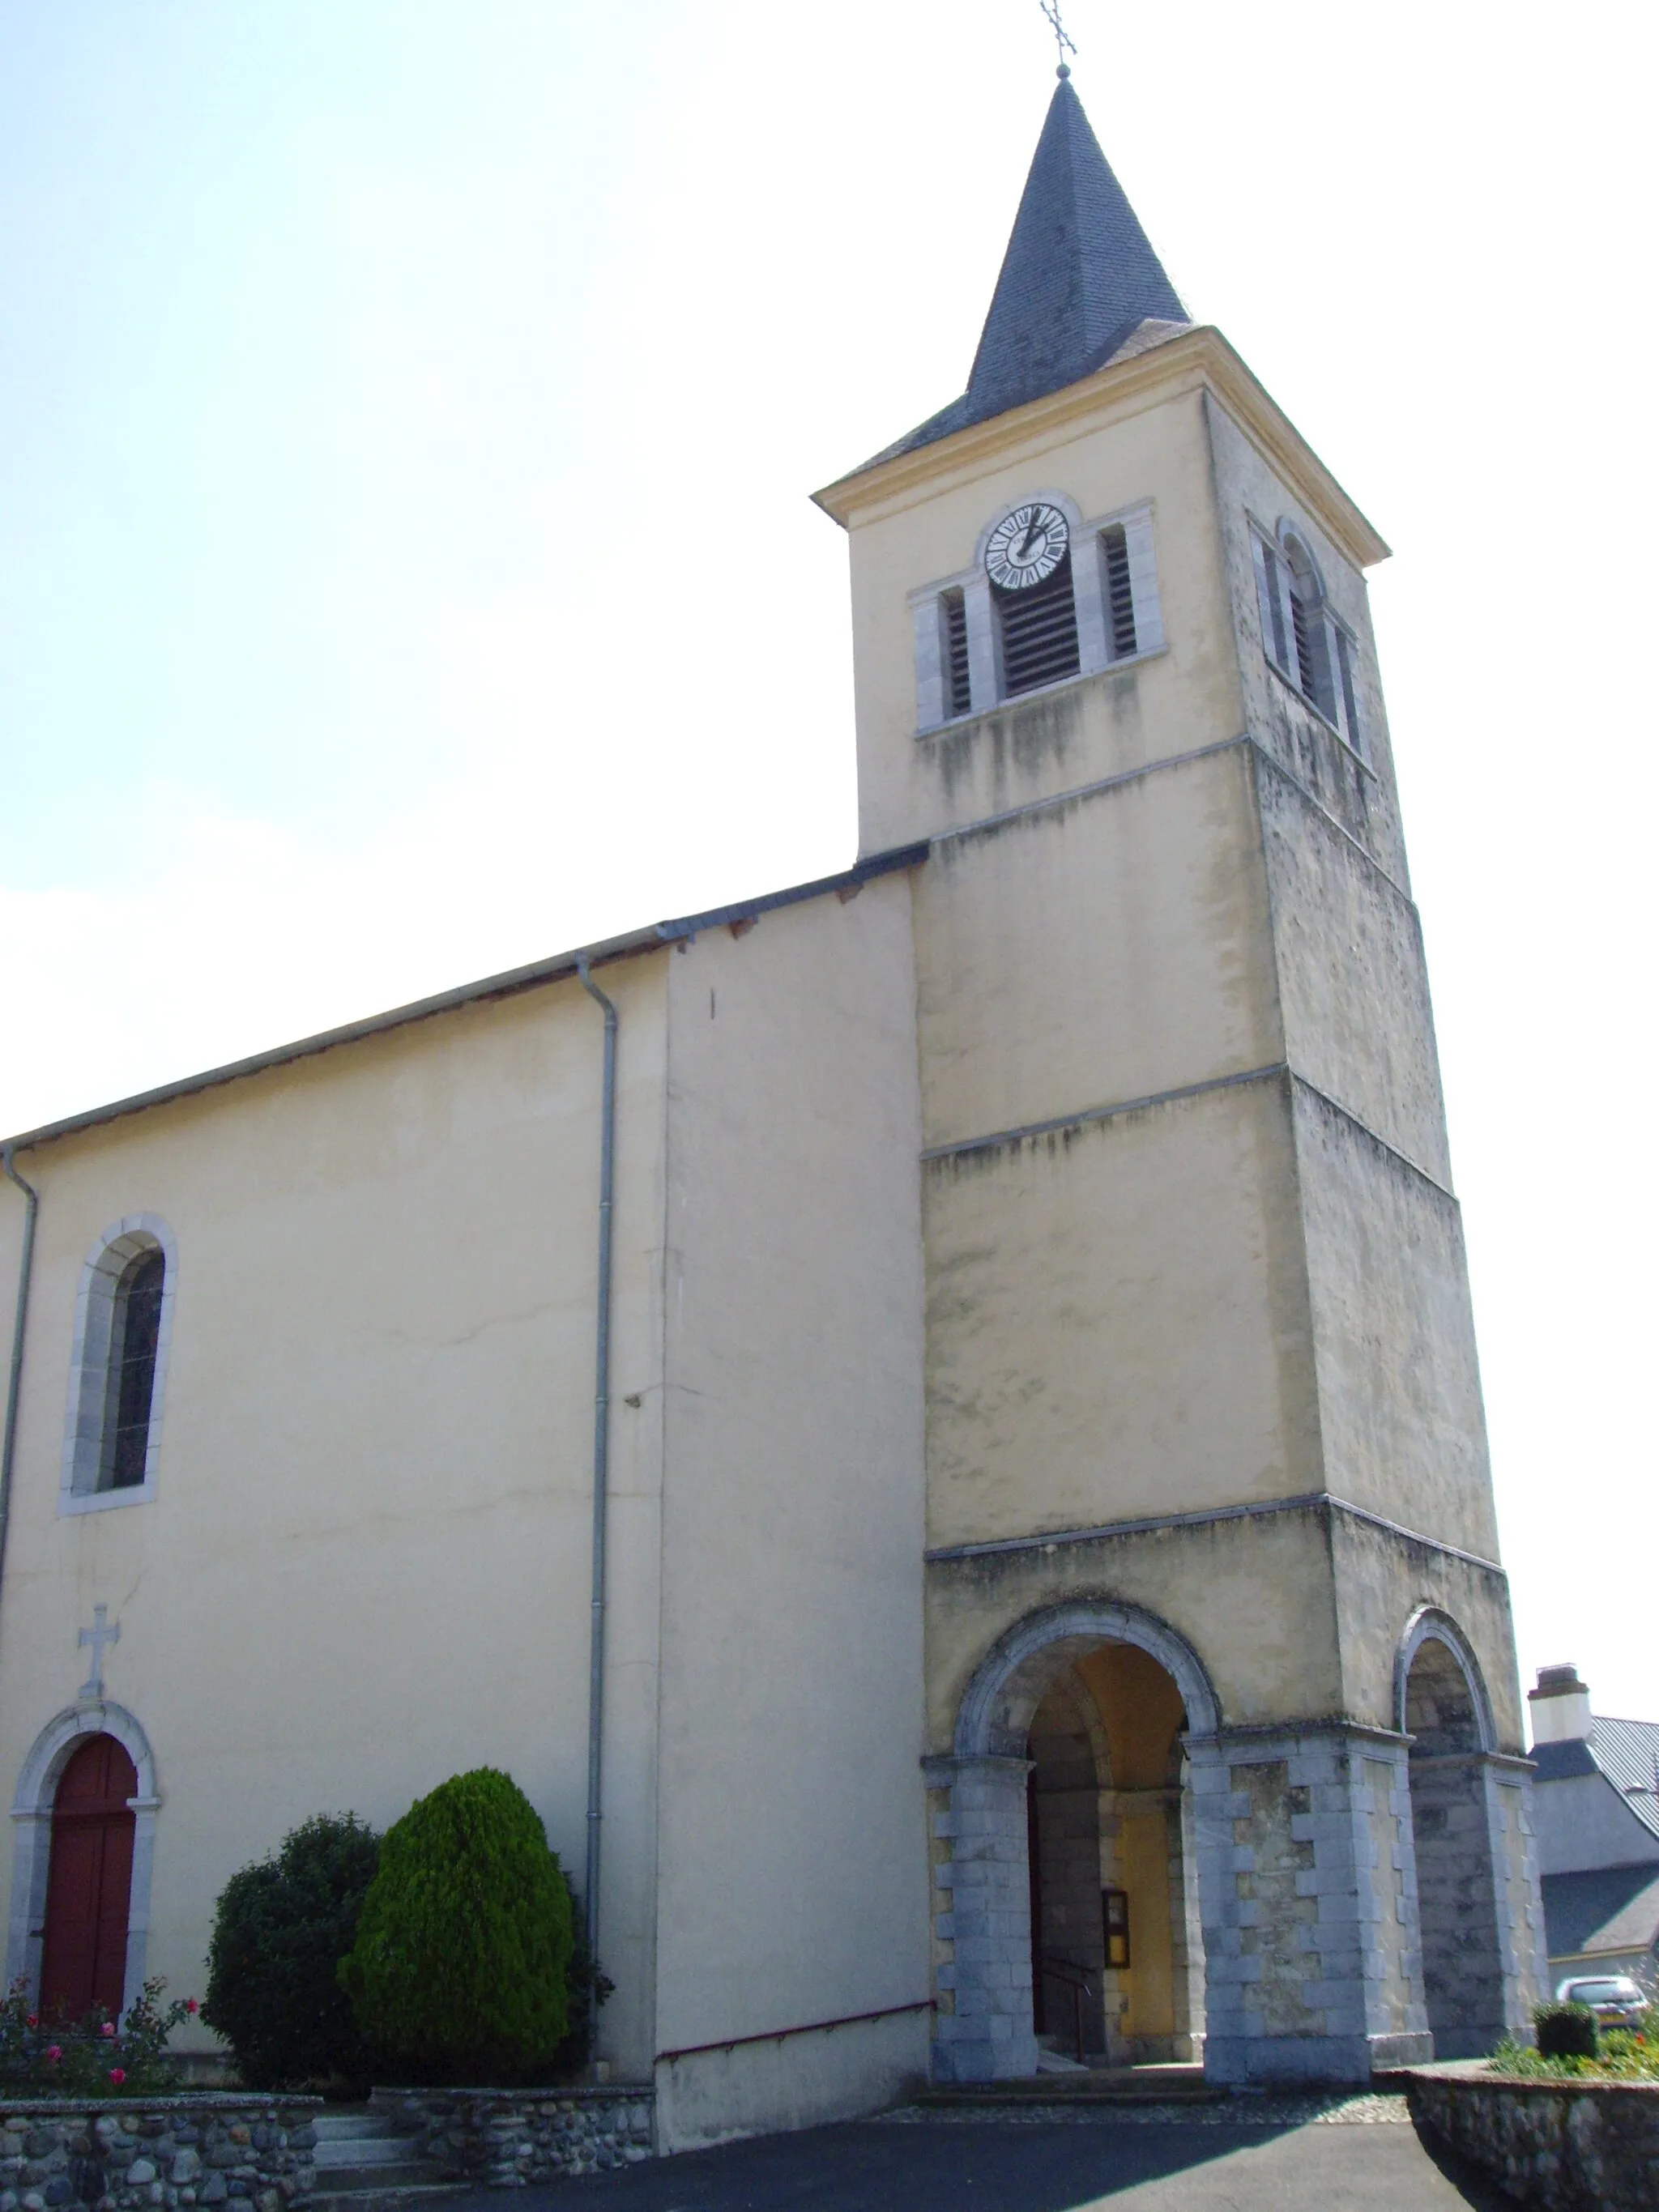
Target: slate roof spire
(1078, 277)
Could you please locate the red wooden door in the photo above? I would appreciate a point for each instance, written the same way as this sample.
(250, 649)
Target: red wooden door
(90, 1883)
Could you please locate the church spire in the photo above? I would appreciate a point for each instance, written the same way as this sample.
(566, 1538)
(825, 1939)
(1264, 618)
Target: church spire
(1079, 278)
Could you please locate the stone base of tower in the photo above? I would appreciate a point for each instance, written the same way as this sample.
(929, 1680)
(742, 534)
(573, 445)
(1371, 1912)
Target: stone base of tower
(1307, 1878)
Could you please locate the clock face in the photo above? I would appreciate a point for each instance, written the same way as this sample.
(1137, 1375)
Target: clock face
(1026, 547)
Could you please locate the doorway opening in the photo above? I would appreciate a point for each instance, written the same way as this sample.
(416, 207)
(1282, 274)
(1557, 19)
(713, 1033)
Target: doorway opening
(1117, 1956)
(1457, 1883)
(83, 1959)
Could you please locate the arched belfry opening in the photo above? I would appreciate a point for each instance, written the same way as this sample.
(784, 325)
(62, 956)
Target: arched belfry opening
(1067, 1906)
(1461, 1837)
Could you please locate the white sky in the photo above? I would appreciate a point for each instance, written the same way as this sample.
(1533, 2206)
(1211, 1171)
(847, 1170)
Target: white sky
(373, 373)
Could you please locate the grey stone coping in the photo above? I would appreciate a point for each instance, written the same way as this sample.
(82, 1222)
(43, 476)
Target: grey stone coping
(575, 2091)
(182, 2100)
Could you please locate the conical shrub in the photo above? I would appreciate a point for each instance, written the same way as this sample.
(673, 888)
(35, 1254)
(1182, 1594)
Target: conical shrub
(460, 1968)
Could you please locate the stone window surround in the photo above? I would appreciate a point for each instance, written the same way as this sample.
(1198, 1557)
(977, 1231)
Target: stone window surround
(90, 1376)
(31, 1813)
(1093, 615)
(1278, 536)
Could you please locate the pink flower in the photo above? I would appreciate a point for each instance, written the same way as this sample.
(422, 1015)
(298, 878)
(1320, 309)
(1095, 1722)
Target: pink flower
(108, 2029)
(53, 2052)
(190, 2005)
(117, 2074)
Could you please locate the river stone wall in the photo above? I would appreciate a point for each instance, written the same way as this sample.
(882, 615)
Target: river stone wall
(502, 2138)
(136, 2155)
(1565, 2145)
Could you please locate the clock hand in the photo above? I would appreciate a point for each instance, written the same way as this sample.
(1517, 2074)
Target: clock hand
(1026, 542)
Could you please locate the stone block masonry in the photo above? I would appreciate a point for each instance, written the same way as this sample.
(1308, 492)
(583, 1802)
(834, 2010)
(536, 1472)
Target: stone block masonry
(166, 2152)
(504, 2138)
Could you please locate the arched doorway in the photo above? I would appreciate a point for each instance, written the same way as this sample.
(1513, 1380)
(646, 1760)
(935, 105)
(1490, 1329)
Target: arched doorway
(1066, 1805)
(83, 1961)
(1117, 1948)
(1464, 1834)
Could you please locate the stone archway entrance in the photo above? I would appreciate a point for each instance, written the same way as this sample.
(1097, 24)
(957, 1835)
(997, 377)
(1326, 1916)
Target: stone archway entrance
(1066, 1811)
(1470, 1839)
(83, 1961)
(1117, 1948)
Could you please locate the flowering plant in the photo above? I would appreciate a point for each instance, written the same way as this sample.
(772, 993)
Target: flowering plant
(73, 2058)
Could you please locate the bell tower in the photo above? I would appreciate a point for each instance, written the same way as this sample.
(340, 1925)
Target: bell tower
(1205, 1436)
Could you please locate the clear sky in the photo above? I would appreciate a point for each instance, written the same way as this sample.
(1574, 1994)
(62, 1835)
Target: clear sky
(407, 413)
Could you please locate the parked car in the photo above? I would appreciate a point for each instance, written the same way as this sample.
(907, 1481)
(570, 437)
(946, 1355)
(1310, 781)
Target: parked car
(1616, 2001)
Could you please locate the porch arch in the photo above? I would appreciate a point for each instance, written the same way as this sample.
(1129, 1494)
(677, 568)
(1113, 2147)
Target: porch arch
(1428, 1625)
(31, 1813)
(1007, 1686)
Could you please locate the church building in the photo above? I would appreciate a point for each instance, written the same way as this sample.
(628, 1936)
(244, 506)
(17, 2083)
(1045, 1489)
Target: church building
(930, 1418)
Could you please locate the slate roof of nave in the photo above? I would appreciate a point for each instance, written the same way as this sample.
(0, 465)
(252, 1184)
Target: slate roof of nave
(1080, 279)
(508, 984)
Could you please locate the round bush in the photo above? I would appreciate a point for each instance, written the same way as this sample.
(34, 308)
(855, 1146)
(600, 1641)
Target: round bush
(280, 1931)
(460, 1969)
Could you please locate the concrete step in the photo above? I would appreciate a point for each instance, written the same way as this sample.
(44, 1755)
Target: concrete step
(392, 2174)
(348, 2123)
(1075, 2085)
(384, 2198)
(367, 2151)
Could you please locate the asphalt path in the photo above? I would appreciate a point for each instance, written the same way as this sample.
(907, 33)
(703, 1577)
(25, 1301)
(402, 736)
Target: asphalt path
(939, 2164)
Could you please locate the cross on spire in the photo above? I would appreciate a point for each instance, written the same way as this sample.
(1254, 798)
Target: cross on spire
(98, 1636)
(1064, 44)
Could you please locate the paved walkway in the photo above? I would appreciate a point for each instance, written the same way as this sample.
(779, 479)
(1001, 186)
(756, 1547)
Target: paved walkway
(1289, 2160)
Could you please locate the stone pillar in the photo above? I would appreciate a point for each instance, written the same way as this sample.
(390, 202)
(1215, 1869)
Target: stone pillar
(1308, 1887)
(982, 1920)
(1483, 1969)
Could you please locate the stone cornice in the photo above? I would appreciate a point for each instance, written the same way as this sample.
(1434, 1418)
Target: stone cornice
(1200, 359)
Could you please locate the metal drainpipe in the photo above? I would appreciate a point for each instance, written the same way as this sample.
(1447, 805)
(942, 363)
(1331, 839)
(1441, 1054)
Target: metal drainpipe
(601, 1478)
(15, 1385)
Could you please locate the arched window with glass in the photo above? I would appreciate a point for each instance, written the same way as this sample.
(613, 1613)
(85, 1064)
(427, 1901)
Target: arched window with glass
(122, 1326)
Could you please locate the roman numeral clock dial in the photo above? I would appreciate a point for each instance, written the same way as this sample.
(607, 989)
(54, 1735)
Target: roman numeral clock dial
(1026, 547)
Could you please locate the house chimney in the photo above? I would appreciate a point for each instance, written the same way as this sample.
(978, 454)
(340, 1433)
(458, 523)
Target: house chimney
(1560, 1706)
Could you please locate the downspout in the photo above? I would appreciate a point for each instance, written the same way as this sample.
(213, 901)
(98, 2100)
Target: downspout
(601, 1478)
(14, 1383)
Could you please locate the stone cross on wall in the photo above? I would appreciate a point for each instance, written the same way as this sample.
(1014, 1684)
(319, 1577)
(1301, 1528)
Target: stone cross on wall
(98, 1636)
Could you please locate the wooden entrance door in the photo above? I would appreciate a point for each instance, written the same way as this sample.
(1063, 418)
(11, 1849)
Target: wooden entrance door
(90, 1883)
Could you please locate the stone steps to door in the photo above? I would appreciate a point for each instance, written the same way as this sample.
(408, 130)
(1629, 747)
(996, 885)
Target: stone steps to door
(366, 2162)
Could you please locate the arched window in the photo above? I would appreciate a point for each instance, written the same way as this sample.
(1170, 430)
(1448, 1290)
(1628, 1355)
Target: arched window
(132, 1362)
(122, 1326)
(1301, 635)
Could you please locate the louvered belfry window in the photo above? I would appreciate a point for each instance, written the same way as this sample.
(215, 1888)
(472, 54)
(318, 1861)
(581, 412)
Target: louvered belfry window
(958, 691)
(1039, 632)
(1119, 590)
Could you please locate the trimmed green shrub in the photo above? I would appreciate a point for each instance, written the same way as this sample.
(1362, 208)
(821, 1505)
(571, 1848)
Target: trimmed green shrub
(460, 1969)
(1565, 2030)
(279, 1932)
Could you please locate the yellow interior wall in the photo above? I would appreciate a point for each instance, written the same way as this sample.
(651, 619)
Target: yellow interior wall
(1140, 1706)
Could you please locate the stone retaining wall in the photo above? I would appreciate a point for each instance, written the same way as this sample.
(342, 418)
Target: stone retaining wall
(1565, 2145)
(503, 2138)
(122, 2154)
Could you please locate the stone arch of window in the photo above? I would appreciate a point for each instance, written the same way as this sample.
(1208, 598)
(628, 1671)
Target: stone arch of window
(1430, 1625)
(31, 1813)
(995, 1717)
(111, 1446)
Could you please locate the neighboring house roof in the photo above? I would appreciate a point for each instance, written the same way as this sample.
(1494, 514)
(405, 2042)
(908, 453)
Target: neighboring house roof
(1079, 278)
(1613, 1909)
(1626, 1752)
